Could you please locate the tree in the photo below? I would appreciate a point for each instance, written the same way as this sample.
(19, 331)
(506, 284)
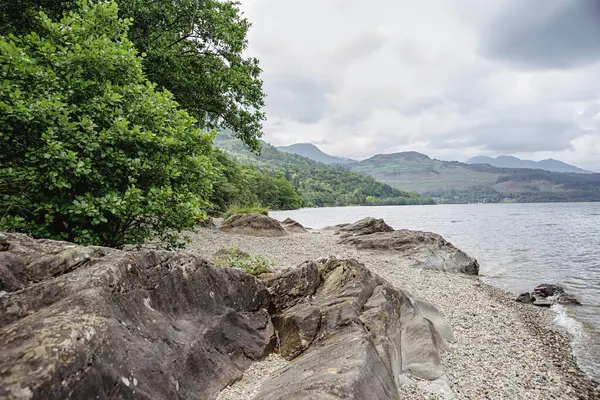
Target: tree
(94, 153)
(193, 49)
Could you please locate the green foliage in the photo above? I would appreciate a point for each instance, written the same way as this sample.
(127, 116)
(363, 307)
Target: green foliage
(91, 151)
(192, 48)
(319, 184)
(232, 210)
(245, 186)
(234, 258)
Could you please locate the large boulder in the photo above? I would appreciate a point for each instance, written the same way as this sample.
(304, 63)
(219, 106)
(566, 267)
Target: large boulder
(293, 226)
(350, 334)
(253, 224)
(98, 323)
(365, 226)
(419, 249)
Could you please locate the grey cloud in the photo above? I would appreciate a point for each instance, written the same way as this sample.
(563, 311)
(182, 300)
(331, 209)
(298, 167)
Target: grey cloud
(517, 135)
(297, 97)
(545, 34)
(361, 46)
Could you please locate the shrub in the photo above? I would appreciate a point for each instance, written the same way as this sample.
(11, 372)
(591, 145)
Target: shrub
(234, 258)
(94, 153)
(256, 209)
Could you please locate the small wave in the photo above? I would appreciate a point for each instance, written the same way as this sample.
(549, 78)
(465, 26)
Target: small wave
(571, 325)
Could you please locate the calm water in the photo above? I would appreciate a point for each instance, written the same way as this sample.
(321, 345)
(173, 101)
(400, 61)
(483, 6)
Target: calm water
(518, 246)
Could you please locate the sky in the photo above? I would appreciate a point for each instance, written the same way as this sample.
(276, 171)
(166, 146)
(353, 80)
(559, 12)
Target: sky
(448, 78)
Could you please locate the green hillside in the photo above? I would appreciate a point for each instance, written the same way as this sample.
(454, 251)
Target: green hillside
(456, 182)
(319, 184)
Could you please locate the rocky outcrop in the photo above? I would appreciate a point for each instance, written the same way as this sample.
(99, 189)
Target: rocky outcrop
(207, 223)
(253, 224)
(350, 334)
(546, 295)
(292, 226)
(365, 226)
(420, 249)
(91, 322)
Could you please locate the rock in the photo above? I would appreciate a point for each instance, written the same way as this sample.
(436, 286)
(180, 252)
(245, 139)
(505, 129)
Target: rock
(253, 224)
(207, 223)
(335, 227)
(542, 301)
(87, 322)
(365, 226)
(567, 299)
(350, 336)
(292, 226)
(546, 295)
(548, 290)
(525, 298)
(419, 249)
(4, 245)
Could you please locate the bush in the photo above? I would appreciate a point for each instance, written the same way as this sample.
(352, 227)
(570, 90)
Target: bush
(94, 153)
(245, 210)
(235, 258)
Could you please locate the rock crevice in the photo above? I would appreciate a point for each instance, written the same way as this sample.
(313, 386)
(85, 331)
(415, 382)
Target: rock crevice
(160, 325)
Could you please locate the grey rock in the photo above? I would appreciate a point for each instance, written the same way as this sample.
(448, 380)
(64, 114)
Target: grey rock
(365, 226)
(292, 226)
(567, 299)
(253, 224)
(353, 337)
(81, 323)
(542, 301)
(4, 244)
(525, 298)
(548, 290)
(207, 223)
(335, 227)
(420, 249)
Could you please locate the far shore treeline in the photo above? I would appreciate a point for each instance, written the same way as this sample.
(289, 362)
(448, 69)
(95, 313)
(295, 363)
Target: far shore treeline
(108, 113)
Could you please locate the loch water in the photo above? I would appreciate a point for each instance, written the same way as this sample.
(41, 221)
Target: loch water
(518, 246)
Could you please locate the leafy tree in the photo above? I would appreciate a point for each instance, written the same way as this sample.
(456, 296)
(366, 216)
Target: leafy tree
(193, 49)
(92, 151)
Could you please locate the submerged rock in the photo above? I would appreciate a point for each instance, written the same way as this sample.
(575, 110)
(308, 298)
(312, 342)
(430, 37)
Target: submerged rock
(365, 226)
(253, 224)
(547, 295)
(88, 322)
(420, 249)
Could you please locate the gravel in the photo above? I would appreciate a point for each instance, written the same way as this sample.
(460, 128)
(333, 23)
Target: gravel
(504, 349)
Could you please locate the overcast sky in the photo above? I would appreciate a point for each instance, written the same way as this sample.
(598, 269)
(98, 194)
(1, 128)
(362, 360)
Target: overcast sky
(449, 78)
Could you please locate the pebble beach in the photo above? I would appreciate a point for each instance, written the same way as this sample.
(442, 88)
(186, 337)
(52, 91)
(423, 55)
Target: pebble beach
(503, 349)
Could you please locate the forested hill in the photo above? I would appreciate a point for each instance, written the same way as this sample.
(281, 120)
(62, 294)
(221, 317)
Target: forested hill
(319, 184)
(456, 182)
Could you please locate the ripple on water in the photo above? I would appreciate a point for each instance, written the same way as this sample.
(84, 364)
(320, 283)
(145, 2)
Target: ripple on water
(518, 246)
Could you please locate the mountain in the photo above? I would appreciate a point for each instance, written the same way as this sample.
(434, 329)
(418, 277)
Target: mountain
(311, 151)
(515, 162)
(318, 183)
(456, 182)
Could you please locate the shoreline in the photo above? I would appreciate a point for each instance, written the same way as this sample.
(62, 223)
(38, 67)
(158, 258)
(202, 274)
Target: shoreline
(504, 349)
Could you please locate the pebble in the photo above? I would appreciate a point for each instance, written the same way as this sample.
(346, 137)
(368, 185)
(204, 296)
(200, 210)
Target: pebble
(504, 349)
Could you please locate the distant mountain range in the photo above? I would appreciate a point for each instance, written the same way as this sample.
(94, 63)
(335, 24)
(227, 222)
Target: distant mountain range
(311, 151)
(514, 162)
(482, 179)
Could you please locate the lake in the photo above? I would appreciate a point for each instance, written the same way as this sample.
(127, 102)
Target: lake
(518, 246)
